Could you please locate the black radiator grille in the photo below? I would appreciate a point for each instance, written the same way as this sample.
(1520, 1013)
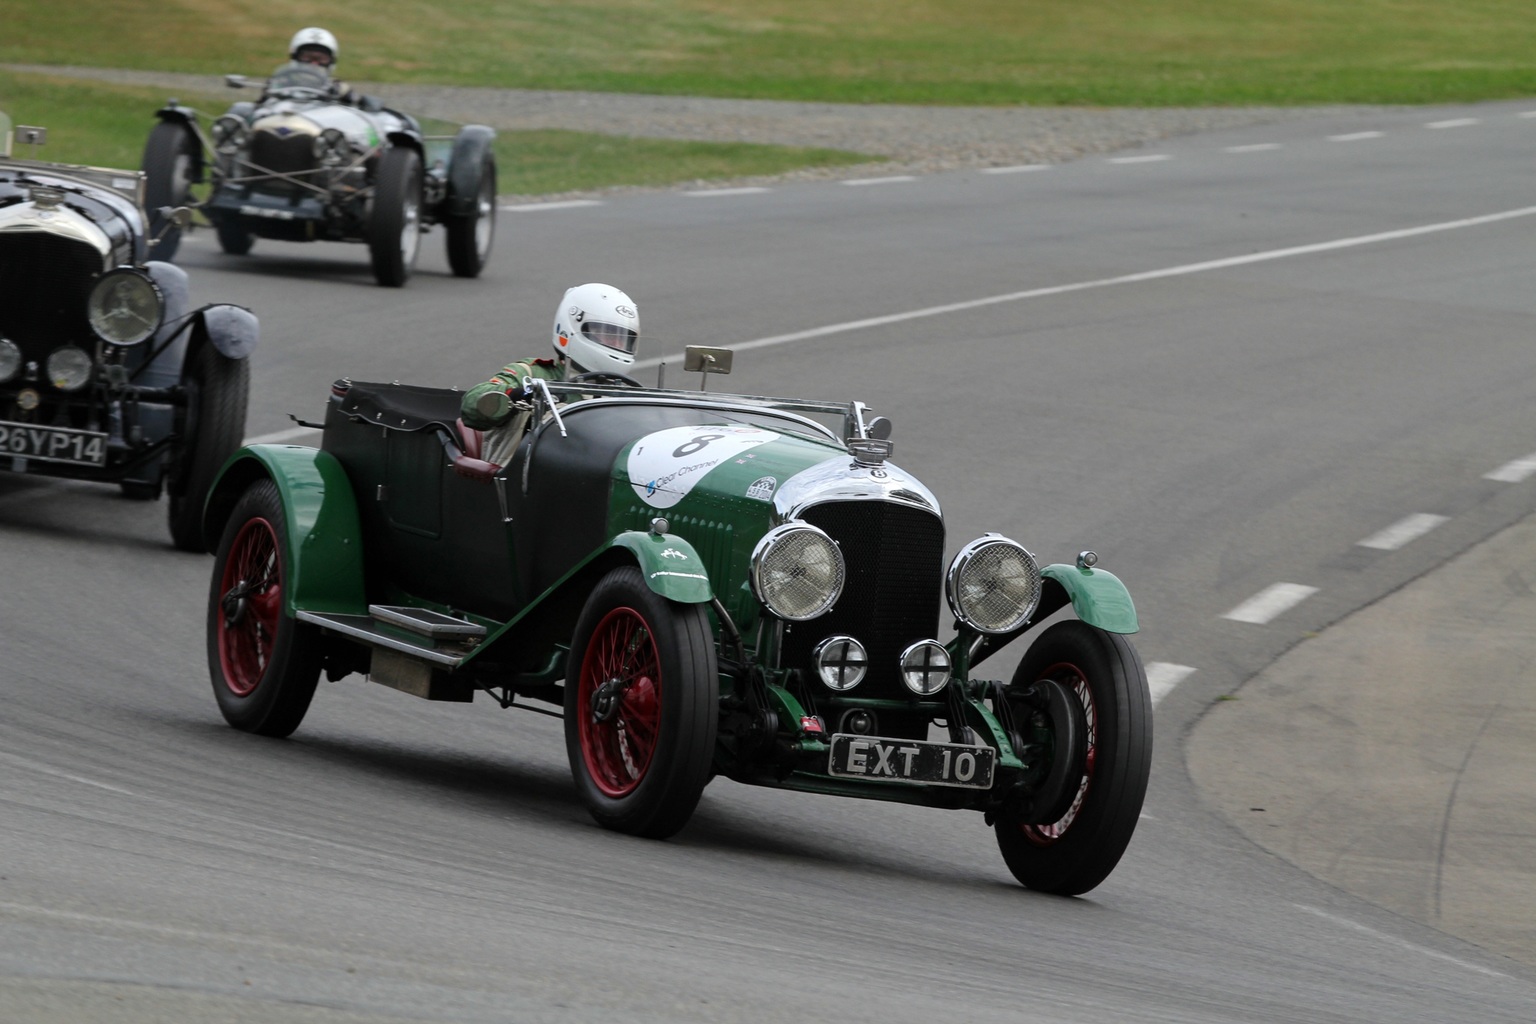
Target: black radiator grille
(894, 555)
(44, 283)
(279, 154)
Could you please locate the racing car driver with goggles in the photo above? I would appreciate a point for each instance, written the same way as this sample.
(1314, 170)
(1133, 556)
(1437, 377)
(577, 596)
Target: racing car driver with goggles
(311, 59)
(596, 330)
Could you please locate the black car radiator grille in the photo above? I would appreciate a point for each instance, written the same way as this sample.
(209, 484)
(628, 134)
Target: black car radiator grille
(279, 154)
(894, 554)
(44, 282)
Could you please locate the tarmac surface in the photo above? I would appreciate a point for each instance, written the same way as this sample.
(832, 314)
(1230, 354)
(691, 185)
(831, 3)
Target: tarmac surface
(1394, 755)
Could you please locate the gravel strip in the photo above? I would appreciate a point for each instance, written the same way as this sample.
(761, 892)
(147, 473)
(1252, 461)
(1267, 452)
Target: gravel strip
(904, 139)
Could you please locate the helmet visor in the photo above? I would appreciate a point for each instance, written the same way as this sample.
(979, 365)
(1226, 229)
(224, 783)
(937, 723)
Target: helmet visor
(620, 339)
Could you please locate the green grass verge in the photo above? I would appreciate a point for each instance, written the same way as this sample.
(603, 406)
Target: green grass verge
(1111, 52)
(106, 126)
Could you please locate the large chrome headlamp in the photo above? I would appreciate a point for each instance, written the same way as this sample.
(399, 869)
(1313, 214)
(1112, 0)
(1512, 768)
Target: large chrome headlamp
(331, 147)
(125, 307)
(797, 572)
(229, 134)
(10, 359)
(69, 368)
(993, 585)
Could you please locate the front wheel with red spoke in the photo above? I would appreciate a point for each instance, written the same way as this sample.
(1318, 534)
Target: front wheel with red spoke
(1091, 690)
(263, 662)
(640, 706)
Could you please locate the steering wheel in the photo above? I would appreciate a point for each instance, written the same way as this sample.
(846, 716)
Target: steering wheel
(604, 377)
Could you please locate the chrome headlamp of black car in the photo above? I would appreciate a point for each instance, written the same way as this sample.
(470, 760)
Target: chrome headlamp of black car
(126, 307)
(229, 134)
(69, 368)
(331, 148)
(797, 572)
(10, 359)
(993, 585)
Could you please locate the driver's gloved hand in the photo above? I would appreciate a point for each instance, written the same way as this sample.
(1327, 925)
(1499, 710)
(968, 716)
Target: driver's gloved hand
(494, 406)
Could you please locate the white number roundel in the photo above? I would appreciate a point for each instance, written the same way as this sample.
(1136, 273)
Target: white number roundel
(666, 465)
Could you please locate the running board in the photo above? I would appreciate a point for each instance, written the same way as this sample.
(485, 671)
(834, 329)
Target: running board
(415, 650)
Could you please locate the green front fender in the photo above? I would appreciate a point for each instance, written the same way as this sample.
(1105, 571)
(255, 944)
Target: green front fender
(325, 539)
(1098, 597)
(670, 565)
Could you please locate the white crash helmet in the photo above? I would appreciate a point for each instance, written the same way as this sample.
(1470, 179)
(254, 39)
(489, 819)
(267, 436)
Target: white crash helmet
(313, 37)
(597, 328)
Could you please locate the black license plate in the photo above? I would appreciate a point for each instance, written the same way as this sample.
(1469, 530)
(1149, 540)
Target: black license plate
(53, 444)
(882, 759)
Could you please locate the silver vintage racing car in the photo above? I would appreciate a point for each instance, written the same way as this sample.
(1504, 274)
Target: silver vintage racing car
(305, 163)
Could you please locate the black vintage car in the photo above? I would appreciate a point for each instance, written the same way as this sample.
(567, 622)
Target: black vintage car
(107, 371)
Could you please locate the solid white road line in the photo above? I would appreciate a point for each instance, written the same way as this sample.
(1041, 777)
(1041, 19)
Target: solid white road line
(564, 204)
(746, 190)
(1514, 472)
(1015, 169)
(1455, 122)
(1270, 602)
(1163, 676)
(1394, 940)
(43, 769)
(1105, 282)
(1404, 530)
(1355, 136)
(891, 180)
(280, 436)
(1527, 113)
(1256, 147)
(1149, 158)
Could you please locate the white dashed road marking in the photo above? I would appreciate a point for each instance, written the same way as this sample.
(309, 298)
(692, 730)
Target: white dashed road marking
(1514, 472)
(748, 190)
(892, 180)
(1163, 676)
(1016, 169)
(565, 204)
(1256, 147)
(1404, 943)
(1455, 122)
(1399, 533)
(1271, 602)
(1150, 158)
(1355, 136)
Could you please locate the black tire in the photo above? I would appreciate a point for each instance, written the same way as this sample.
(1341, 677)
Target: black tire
(170, 164)
(658, 659)
(471, 235)
(394, 228)
(214, 426)
(234, 239)
(1077, 851)
(264, 664)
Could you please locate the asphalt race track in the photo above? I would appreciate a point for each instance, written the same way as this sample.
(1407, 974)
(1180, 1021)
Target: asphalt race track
(1220, 363)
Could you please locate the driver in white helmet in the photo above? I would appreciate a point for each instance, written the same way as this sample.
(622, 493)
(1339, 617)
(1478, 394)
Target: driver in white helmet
(596, 329)
(311, 62)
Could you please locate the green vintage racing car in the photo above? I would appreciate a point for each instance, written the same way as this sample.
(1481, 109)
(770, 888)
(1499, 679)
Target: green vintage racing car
(703, 584)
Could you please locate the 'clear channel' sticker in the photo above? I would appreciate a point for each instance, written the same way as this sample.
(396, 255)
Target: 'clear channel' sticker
(666, 465)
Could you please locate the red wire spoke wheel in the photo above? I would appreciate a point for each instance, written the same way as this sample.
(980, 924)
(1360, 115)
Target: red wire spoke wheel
(263, 663)
(642, 697)
(1103, 678)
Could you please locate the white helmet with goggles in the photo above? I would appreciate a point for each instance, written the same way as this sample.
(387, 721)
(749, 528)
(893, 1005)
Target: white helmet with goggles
(311, 39)
(596, 328)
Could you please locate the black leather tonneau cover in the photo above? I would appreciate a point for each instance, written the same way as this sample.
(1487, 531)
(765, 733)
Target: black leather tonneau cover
(401, 406)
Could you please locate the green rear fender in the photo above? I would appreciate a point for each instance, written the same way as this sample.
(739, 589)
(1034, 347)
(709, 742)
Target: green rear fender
(670, 565)
(1098, 597)
(325, 541)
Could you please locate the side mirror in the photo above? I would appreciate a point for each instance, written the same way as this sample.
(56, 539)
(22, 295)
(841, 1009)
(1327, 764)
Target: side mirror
(706, 360)
(879, 427)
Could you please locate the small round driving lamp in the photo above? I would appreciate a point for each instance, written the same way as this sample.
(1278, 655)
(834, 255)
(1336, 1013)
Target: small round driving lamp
(10, 359)
(993, 585)
(125, 307)
(797, 572)
(925, 667)
(841, 662)
(228, 134)
(69, 368)
(331, 147)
